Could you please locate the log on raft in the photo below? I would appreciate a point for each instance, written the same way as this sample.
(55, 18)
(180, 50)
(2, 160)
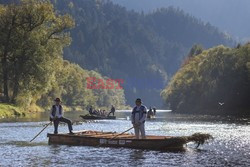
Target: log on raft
(126, 140)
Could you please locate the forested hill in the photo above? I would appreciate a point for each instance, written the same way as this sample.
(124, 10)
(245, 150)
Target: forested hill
(32, 70)
(214, 81)
(141, 49)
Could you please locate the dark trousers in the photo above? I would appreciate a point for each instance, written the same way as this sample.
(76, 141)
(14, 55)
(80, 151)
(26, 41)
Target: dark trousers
(67, 121)
(111, 112)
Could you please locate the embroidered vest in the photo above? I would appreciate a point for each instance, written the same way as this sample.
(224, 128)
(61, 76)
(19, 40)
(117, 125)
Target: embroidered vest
(54, 110)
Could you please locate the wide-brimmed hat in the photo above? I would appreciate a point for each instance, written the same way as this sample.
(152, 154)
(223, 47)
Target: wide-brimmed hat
(58, 99)
(138, 100)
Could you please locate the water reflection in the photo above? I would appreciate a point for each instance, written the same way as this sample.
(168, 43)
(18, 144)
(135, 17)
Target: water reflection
(137, 157)
(55, 149)
(161, 116)
(25, 143)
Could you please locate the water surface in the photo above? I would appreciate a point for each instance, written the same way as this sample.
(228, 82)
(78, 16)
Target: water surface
(231, 146)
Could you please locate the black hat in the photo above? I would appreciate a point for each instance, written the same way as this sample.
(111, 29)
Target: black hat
(138, 100)
(58, 99)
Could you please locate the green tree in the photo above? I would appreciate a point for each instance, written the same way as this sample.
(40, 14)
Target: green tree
(216, 81)
(32, 39)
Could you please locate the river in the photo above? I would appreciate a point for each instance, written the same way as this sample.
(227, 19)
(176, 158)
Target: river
(230, 147)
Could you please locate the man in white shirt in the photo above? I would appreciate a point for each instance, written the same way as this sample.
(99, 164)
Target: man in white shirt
(138, 118)
(57, 116)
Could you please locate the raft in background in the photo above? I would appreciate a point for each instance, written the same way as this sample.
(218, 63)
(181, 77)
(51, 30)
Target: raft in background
(110, 139)
(150, 116)
(88, 116)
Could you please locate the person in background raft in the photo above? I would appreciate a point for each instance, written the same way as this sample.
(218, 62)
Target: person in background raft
(150, 113)
(91, 110)
(154, 109)
(57, 116)
(112, 110)
(138, 118)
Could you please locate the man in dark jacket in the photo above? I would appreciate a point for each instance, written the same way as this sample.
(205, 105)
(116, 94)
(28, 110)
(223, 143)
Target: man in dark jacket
(57, 116)
(112, 110)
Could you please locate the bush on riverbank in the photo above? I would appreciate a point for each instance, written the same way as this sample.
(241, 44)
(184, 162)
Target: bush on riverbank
(8, 110)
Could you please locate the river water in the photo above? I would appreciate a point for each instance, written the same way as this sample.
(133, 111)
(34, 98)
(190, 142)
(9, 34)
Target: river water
(230, 147)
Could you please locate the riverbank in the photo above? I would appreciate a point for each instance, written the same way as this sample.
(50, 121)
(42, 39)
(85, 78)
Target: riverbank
(8, 110)
(13, 111)
(241, 113)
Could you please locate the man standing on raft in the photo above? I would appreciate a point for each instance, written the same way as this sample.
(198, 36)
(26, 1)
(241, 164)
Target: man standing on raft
(57, 116)
(138, 118)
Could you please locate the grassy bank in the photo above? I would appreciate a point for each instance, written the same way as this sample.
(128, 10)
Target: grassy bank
(13, 111)
(9, 110)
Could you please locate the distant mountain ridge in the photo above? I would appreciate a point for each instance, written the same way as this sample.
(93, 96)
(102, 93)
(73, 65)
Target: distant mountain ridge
(228, 15)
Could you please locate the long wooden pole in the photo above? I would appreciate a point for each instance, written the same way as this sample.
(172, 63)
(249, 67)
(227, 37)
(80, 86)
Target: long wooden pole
(121, 133)
(41, 131)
